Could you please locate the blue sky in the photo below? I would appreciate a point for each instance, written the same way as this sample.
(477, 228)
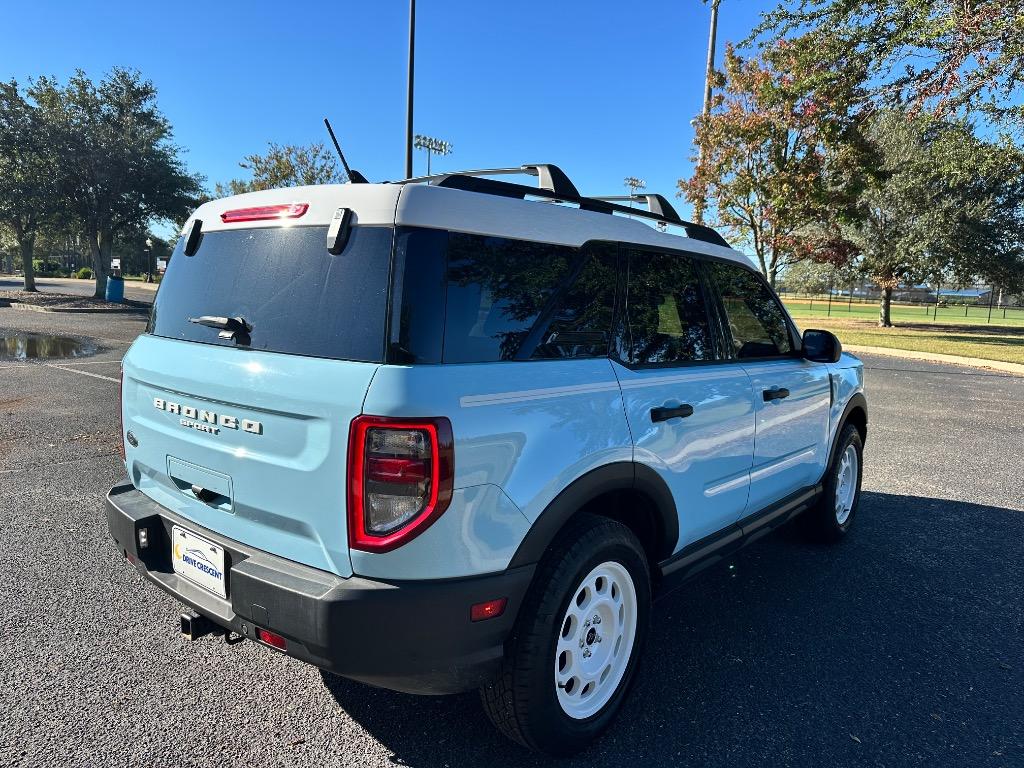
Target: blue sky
(603, 89)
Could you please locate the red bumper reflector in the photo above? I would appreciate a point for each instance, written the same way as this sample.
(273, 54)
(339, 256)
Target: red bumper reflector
(272, 639)
(265, 212)
(489, 610)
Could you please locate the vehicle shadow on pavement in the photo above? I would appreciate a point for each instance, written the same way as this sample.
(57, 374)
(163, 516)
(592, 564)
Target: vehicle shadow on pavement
(901, 646)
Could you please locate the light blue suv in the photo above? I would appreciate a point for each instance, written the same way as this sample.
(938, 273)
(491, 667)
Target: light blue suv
(456, 433)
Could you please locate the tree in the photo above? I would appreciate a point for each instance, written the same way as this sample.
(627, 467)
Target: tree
(811, 277)
(118, 166)
(286, 166)
(779, 152)
(945, 203)
(28, 191)
(926, 53)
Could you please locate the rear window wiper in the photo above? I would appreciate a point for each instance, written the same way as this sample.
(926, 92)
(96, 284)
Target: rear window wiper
(230, 326)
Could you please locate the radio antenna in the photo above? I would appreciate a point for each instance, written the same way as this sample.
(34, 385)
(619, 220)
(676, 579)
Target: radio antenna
(355, 177)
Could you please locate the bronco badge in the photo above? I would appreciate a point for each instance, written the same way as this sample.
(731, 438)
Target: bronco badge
(203, 420)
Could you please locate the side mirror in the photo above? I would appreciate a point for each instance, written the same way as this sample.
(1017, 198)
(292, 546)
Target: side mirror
(821, 347)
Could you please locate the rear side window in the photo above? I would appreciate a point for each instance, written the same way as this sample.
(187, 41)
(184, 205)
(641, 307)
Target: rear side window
(298, 298)
(666, 314)
(520, 300)
(757, 323)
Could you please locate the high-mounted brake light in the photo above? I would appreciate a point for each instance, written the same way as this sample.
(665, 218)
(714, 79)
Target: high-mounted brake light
(400, 475)
(265, 212)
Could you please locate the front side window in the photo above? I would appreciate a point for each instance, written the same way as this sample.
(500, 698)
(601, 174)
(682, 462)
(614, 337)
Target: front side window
(757, 323)
(667, 316)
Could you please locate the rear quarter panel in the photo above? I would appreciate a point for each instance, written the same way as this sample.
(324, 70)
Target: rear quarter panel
(523, 432)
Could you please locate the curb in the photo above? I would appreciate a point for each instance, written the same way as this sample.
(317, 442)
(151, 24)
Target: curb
(76, 310)
(935, 357)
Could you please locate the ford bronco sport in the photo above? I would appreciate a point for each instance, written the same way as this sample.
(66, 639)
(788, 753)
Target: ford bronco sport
(456, 432)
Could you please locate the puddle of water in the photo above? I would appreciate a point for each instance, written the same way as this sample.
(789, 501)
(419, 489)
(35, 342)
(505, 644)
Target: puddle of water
(37, 346)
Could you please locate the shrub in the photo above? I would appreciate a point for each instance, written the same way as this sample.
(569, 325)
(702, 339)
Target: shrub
(85, 273)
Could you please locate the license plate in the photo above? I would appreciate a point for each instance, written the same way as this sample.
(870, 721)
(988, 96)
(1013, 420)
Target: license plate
(198, 560)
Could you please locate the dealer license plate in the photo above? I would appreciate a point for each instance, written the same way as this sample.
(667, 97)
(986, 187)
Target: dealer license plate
(198, 560)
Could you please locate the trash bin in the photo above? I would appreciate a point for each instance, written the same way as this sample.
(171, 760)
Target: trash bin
(115, 289)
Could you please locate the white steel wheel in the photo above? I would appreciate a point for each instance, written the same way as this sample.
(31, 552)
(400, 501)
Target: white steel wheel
(595, 640)
(846, 484)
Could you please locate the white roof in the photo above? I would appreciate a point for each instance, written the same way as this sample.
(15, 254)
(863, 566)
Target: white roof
(423, 205)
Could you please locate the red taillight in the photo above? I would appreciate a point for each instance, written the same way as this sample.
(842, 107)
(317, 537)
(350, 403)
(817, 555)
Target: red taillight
(489, 610)
(265, 212)
(120, 410)
(400, 474)
(391, 470)
(272, 639)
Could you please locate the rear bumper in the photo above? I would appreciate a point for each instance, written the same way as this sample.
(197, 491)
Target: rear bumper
(412, 636)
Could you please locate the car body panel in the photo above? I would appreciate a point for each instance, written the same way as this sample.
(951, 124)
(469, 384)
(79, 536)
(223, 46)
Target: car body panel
(287, 481)
(530, 428)
(705, 458)
(791, 442)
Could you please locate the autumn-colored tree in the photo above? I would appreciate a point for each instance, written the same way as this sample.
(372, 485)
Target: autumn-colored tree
(938, 55)
(286, 165)
(780, 154)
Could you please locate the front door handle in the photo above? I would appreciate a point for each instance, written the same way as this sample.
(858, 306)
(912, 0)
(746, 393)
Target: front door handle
(775, 394)
(664, 414)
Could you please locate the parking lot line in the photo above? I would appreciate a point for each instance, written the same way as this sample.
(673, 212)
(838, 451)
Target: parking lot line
(86, 362)
(82, 373)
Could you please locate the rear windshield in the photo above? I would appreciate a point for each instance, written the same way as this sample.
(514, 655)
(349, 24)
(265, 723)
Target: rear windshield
(298, 298)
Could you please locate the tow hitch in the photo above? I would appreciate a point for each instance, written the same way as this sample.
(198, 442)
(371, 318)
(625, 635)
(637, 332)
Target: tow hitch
(194, 626)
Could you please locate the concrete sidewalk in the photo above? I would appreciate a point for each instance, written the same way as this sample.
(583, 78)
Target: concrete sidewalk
(935, 357)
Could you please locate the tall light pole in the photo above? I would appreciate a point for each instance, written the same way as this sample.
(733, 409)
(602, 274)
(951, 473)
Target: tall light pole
(701, 202)
(149, 259)
(408, 104)
(432, 146)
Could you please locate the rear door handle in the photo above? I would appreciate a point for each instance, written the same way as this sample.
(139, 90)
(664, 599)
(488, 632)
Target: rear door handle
(664, 414)
(776, 393)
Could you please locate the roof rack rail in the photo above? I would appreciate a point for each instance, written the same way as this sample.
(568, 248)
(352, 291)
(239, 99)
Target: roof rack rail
(656, 204)
(554, 185)
(549, 177)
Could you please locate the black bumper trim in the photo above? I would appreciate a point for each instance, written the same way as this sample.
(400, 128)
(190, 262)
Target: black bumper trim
(412, 636)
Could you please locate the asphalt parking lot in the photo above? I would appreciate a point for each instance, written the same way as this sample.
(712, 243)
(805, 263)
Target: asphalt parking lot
(902, 647)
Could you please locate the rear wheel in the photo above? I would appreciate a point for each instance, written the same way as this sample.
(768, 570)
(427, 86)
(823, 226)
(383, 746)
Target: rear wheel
(574, 651)
(833, 516)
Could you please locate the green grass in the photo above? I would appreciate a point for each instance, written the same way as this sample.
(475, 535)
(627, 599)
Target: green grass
(907, 313)
(1004, 343)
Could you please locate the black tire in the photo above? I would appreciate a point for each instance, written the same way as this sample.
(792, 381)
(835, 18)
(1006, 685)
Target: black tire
(522, 701)
(821, 522)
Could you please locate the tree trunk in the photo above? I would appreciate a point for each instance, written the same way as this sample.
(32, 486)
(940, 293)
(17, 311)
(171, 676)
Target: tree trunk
(100, 265)
(26, 245)
(885, 309)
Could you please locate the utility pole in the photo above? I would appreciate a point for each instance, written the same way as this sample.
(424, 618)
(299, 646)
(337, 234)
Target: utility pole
(712, 34)
(408, 105)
